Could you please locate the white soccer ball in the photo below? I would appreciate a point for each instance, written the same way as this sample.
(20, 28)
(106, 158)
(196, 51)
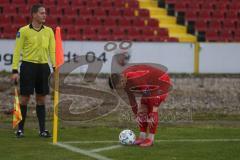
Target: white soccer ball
(127, 137)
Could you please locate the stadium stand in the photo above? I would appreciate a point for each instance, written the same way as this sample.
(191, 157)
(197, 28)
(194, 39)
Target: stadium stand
(87, 19)
(212, 21)
(138, 20)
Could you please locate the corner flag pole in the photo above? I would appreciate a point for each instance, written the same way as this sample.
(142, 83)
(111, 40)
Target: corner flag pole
(59, 61)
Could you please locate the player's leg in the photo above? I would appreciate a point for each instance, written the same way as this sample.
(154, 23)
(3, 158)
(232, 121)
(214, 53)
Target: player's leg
(153, 105)
(142, 123)
(152, 125)
(42, 89)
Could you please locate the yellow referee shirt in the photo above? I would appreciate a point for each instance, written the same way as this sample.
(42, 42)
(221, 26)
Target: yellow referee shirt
(35, 46)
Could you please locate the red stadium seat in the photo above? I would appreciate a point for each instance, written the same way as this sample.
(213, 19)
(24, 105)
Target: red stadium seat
(215, 24)
(131, 4)
(139, 22)
(5, 20)
(10, 11)
(107, 3)
(78, 3)
(181, 7)
(124, 22)
(143, 13)
(233, 14)
(133, 34)
(95, 21)
(225, 35)
(193, 6)
(63, 3)
(103, 34)
(118, 4)
(85, 11)
(24, 10)
(234, 5)
(110, 21)
(148, 34)
(114, 12)
(204, 14)
(68, 21)
(161, 32)
(93, 3)
(72, 12)
(129, 12)
(229, 24)
(207, 6)
(71, 33)
(221, 6)
(81, 21)
(212, 35)
(99, 12)
(213, 16)
(153, 22)
(118, 34)
(191, 16)
(51, 21)
(18, 3)
(49, 2)
(20, 21)
(237, 35)
(201, 25)
(54, 11)
(4, 2)
(32, 2)
(171, 39)
(10, 32)
(218, 15)
(89, 33)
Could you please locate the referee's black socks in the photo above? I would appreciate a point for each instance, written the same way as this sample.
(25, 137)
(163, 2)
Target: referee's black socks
(41, 117)
(23, 109)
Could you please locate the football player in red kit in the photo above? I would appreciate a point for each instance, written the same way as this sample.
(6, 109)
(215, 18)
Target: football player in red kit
(151, 84)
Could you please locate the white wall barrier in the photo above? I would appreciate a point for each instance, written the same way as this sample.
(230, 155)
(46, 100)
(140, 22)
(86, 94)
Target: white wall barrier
(177, 57)
(219, 58)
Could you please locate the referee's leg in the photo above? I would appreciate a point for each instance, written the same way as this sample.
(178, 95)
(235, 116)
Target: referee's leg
(23, 106)
(41, 90)
(41, 111)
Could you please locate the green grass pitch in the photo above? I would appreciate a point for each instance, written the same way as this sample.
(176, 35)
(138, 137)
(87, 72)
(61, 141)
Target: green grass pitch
(33, 147)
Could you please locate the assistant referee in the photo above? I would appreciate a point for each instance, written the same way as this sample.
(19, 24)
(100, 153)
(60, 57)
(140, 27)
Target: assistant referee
(35, 43)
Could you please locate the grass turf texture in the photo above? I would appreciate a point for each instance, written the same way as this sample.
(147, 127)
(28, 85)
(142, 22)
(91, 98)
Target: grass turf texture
(34, 147)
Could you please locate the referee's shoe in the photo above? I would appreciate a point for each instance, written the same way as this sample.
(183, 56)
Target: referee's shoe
(45, 134)
(19, 134)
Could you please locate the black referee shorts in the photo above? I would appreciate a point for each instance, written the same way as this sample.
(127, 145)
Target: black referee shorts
(34, 77)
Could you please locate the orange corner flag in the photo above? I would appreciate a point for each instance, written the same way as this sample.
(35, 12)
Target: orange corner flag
(59, 48)
(17, 115)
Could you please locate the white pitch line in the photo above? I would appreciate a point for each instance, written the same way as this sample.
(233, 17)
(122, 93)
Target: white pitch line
(105, 148)
(87, 142)
(83, 152)
(158, 141)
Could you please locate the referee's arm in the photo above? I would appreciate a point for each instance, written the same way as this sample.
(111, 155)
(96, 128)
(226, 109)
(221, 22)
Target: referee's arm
(52, 48)
(17, 50)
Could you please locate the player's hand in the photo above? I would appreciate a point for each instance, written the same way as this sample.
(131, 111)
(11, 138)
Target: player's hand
(15, 77)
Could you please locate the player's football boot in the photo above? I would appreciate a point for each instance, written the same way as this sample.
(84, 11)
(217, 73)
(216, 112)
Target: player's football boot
(138, 141)
(45, 134)
(146, 143)
(19, 134)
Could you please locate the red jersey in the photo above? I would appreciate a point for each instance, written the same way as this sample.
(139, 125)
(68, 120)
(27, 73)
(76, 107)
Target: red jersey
(147, 81)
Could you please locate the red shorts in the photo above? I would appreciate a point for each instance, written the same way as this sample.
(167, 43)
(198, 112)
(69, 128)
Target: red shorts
(154, 101)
